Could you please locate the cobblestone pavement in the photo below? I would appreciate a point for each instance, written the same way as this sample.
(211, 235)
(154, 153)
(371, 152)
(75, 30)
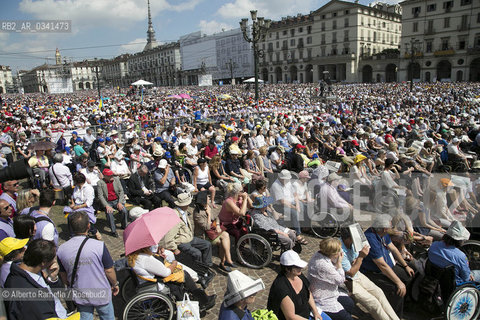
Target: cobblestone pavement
(218, 285)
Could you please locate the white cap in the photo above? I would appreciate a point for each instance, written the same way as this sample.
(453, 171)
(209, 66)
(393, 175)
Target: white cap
(162, 164)
(291, 258)
(240, 286)
(137, 212)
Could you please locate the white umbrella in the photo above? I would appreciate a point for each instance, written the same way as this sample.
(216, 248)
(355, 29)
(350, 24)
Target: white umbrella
(252, 80)
(142, 83)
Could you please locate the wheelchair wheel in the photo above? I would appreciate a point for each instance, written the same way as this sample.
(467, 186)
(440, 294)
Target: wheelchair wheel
(385, 201)
(149, 305)
(463, 303)
(327, 227)
(254, 251)
(471, 248)
(127, 290)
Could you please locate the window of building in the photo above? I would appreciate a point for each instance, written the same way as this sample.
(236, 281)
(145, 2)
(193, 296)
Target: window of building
(446, 22)
(284, 32)
(462, 43)
(309, 53)
(285, 55)
(284, 44)
(430, 26)
(346, 50)
(323, 26)
(300, 29)
(347, 12)
(416, 11)
(383, 24)
(292, 32)
(346, 23)
(334, 37)
(300, 54)
(309, 29)
(277, 44)
(345, 36)
(374, 36)
(323, 50)
(323, 38)
(478, 18)
(270, 47)
(361, 21)
(323, 16)
(334, 51)
(292, 42)
(277, 36)
(334, 24)
(428, 45)
(277, 56)
(464, 23)
(465, 2)
(448, 5)
(309, 40)
(334, 14)
(445, 45)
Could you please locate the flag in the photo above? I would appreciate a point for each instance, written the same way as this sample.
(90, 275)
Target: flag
(142, 96)
(100, 105)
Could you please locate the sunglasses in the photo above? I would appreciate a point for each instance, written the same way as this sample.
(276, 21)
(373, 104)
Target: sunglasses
(7, 207)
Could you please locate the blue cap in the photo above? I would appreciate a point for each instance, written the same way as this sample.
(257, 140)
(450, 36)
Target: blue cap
(174, 139)
(67, 149)
(101, 140)
(168, 155)
(149, 135)
(158, 139)
(108, 139)
(75, 132)
(315, 156)
(79, 139)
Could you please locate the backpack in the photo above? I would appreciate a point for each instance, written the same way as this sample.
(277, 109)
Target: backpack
(37, 219)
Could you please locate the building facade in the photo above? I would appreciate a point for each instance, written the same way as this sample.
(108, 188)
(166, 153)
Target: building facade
(440, 40)
(84, 75)
(328, 43)
(115, 71)
(160, 65)
(6, 79)
(48, 79)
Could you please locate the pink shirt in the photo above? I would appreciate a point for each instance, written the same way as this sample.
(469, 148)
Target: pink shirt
(226, 216)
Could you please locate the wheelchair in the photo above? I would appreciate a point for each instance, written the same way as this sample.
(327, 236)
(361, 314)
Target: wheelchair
(145, 301)
(455, 302)
(255, 248)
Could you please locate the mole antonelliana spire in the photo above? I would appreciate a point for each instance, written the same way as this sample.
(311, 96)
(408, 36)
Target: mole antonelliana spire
(151, 41)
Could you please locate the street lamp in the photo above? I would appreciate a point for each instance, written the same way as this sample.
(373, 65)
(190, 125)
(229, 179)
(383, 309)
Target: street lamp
(413, 45)
(97, 69)
(260, 27)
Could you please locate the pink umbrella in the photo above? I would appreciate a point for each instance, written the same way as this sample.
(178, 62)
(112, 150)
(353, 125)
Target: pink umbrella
(149, 229)
(185, 96)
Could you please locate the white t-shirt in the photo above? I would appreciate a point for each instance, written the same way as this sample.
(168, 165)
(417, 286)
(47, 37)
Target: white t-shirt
(283, 192)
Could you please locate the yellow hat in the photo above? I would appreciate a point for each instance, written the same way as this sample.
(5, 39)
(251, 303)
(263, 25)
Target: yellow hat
(75, 316)
(359, 157)
(9, 244)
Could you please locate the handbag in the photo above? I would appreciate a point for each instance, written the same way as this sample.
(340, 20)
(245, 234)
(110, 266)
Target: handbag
(187, 309)
(71, 306)
(177, 275)
(212, 233)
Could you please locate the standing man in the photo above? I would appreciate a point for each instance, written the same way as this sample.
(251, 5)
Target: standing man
(6, 223)
(94, 274)
(111, 196)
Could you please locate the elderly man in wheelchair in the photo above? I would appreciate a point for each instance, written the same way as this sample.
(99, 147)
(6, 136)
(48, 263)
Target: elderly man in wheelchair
(448, 264)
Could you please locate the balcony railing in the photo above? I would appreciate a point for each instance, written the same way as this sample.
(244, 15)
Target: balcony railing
(442, 53)
(417, 55)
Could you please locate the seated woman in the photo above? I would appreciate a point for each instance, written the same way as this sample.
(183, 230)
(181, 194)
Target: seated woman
(208, 227)
(250, 165)
(290, 297)
(26, 199)
(219, 177)
(326, 274)
(263, 220)
(150, 267)
(202, 179)
(261, 190)
(234, 206)
(422, 223)
(82, 199)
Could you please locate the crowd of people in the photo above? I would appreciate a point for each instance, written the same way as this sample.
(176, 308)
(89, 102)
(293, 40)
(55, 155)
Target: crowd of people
(220, 160)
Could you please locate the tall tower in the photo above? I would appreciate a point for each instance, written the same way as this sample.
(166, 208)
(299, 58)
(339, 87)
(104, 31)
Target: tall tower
(58, 58)
(151, 41)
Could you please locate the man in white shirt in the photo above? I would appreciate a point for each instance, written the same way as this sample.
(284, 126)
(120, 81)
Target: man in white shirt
(286, 202)
(331, 199)
(60, 175)
(89, 139)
